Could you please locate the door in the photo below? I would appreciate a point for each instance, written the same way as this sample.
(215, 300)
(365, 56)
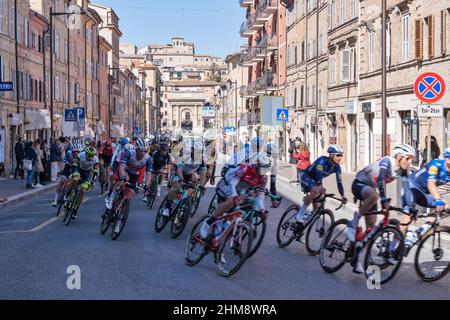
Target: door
(353, 144)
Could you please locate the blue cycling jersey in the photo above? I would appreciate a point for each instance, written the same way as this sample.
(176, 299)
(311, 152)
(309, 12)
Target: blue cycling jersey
(436, 170)
(322, 168)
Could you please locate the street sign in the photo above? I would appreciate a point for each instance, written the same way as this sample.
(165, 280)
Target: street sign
(81, 113)
(230, 129)
(429, 87)
(282, 115)
(430, 111)
(6, 86)
(70, 115)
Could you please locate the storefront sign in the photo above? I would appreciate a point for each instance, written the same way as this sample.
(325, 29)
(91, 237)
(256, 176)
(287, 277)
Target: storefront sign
(351, 107)
(430, 111)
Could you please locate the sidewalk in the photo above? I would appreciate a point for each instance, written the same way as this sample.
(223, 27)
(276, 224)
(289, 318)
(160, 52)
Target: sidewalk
(14, 191)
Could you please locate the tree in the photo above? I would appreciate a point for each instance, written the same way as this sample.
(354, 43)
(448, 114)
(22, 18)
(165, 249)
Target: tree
(214, 73)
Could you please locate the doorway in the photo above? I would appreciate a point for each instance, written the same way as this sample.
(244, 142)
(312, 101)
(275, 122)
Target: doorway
(353, 144)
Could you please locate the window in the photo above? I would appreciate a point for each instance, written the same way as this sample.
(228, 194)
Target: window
(332, 70)
(343, 17)
(353, 8)
(56, 89)
(345, 65)
(302, 94)
(27, 33)
(443, 32)
(66, 51)
(321, 44)
(405, 38)
(419, 39)
(331, 14)
(371, 49)
(388, 45)
(303, 51)
(19, 29)
(430, 23)
(11, 19)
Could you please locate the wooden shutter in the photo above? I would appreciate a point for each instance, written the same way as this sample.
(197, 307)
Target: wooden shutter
(430, 22)
(443, 33)
(419, 39)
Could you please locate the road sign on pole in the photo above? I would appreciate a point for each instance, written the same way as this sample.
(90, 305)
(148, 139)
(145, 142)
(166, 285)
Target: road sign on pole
(70, 115)
(430, 111)
(429, 87)
(282, 115)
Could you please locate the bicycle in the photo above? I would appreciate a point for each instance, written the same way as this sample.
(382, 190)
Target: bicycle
(317, 225)
(437, 234)
(196, 197)
(236, 236)
(104, 180)
(384, 242)
(62, 198)
(119, 213)
(72, 205)
(179, 215)
(153, 190)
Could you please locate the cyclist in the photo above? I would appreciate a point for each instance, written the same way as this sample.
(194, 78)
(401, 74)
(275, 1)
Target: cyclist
(70, 161)
(424, 186)
(236, 183)
(106, 153)
(119, 151)
(131, 165)
(161, 161)
(312, 178)
(376, 176)
(190, 169)
(88, 170)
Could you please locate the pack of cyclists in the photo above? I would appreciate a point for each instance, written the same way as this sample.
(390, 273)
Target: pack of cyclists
(181, 160)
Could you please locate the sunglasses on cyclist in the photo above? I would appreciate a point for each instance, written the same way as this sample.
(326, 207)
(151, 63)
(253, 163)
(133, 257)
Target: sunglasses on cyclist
(339, 155)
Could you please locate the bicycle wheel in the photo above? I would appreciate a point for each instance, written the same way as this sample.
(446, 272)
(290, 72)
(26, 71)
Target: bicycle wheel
(335, 247)
(197, 197)
(234, 250)
(180, 219)
(106, 221)
(317, 230)
(160, 220)
(61, 202)
(121, 219)
(286, 231)
(151, 196)
(195, 248)
(213, 205)
(70, 207)
(384, 254)
(431, 262)
(258, 226)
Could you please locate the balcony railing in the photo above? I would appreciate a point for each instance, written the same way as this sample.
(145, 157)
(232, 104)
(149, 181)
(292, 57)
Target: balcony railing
(256, 54)
(262, 41)
(268, 6)
(244, 31)
(265, 82)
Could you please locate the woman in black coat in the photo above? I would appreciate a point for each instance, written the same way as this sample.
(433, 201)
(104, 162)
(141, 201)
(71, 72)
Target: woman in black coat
(30, 154)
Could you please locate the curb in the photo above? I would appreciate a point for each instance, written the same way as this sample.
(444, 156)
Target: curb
(27, 195)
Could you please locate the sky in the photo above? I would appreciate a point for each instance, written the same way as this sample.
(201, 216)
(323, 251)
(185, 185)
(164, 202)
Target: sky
(213, 25)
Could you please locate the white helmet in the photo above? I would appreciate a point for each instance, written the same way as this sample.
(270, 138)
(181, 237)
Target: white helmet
(141, 144)
(261, 159)
(128, 147)
(404, 150)
(335, 149)
(77, 147)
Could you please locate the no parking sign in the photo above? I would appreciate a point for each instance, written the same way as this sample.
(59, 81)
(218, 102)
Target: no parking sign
(429, 87)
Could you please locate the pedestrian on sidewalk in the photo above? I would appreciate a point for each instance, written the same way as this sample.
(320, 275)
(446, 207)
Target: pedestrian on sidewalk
(435, 151)
(56, 158)
(30, 155)
(45, 175)
(38, 167)
(293, 161)
(20, 156)
(273, 152)
(302, 154)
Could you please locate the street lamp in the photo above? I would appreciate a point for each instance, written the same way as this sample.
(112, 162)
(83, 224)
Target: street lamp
(53, 14)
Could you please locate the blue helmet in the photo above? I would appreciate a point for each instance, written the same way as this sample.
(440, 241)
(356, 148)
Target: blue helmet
(124, 141)
(447, 153)
(335, 149)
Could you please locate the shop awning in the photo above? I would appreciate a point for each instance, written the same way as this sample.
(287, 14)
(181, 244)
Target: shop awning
(37, 119)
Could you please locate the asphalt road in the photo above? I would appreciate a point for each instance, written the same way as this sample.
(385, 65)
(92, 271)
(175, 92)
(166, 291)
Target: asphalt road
(36, 249)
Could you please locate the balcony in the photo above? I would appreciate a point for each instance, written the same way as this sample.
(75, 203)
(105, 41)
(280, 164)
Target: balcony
(245, 60)
(265, 83)
(262, 41)
(245, 3)
(268, 6)
(256, 55)
(244, 31)
(257, 20)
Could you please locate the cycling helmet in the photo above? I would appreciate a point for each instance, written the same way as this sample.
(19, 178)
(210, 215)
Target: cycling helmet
(76, 141)
(128, 147)
(163, 147)
(77, 147)
(447, 153)
(404, 150)
(88, 142)
(124, 141)
(141, 144)
(335, 149)
(90, 151)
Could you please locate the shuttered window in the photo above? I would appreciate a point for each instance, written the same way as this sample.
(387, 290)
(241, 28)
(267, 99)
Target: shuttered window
(405, 37)
(430, 24)
(443, 32)
(346, 65)
(419, 39)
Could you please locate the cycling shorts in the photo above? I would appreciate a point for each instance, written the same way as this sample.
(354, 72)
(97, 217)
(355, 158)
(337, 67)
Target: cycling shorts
(307, 183)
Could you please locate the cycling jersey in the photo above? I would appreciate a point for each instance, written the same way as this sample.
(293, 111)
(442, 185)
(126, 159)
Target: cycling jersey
(240, 179)
(436, 170)
(319, 170)
(379, 173)
(133, 165)
(117, 155)
(189, 169)
(85, 164)
(160, 160)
